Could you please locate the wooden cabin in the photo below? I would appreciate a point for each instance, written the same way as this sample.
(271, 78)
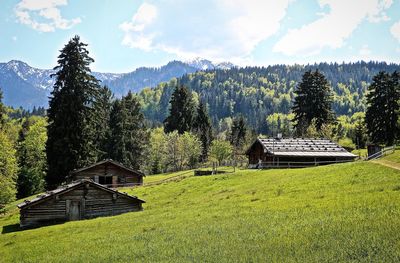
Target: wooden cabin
(295, 152)
(109, 173)
(82, 199)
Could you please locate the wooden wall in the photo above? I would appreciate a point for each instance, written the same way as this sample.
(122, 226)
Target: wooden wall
(256, 153)
(119, 175)
(93, 202)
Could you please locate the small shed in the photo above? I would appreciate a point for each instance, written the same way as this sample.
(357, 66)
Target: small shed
(295, 152)
(109, 173)
(78, 200)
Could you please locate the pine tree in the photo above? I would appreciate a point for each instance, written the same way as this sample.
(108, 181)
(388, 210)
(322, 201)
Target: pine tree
(312, 103)
(383, 108)
(359, 134)
(238, 132)
(202, 127)
(128, 132)
(103, 110)
(71, 114)
(2, 110)
(181, 111)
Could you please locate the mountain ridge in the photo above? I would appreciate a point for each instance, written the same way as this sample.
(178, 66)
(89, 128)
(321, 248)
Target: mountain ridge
(27, 86)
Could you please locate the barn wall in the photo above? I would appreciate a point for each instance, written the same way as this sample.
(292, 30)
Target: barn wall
(122, 175)
(93, 202)
(51, 210)
(101, 203)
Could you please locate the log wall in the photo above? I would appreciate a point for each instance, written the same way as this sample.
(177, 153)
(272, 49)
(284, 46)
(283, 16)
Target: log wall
(119, 175)
(93, 202)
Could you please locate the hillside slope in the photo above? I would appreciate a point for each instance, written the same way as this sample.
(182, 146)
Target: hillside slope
(346, 212)
(257, 92)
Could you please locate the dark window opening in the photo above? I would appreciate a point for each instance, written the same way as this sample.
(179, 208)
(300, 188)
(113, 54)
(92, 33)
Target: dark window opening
(105, 180)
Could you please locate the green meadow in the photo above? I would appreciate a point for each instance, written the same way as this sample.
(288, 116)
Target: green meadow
(338, 213)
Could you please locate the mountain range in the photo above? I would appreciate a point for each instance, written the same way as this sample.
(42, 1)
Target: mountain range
(26, 86)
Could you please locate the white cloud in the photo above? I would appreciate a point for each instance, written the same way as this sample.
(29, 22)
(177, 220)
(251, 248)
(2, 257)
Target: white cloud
(365, 51)
(333, 28)
(225, 29)
(395, 30)
(29, 11)
(14, 38)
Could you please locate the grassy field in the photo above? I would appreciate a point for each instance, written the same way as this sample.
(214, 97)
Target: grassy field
(161, 177)
(394, 157)
(337, 213)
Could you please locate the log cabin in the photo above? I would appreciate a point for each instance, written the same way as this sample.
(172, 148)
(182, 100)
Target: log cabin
(109, 173)
(295, 152)
(78, 200)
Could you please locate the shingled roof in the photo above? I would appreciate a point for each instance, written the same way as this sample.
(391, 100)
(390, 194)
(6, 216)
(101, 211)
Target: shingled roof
(303, 147)
(108, 161)
(69, 187)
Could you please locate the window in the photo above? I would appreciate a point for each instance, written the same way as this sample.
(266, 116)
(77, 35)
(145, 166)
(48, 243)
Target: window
(107, 180)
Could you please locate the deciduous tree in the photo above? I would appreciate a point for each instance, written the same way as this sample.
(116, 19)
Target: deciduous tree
(8, 170)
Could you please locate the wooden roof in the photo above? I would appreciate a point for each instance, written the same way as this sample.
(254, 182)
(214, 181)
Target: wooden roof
(105, 162)
(302, 147)
(69, 187)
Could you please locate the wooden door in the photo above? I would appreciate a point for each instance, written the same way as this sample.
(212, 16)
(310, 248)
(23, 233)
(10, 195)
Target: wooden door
(74, 211)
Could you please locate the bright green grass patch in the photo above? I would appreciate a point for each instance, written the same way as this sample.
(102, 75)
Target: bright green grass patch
(337, 213)
(161, 177)
(363, 153)
(393, 157)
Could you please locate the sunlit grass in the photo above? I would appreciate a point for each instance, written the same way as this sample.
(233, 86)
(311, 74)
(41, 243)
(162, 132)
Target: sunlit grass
(393, 157)
(346, 212)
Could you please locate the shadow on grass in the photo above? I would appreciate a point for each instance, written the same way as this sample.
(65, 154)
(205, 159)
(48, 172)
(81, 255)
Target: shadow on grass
(15, 227)
(11, 228)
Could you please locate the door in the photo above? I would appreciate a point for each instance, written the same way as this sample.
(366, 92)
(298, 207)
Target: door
(74, 211)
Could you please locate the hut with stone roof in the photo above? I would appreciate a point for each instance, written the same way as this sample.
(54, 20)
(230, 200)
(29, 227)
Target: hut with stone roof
(295, 152)
(82, 199)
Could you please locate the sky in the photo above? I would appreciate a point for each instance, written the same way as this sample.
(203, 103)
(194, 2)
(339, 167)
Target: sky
(125, 34)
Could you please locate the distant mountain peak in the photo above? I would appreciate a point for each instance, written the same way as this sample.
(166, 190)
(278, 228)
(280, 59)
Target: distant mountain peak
(205, 64)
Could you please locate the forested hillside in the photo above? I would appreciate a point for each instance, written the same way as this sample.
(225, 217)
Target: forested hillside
(259, 92)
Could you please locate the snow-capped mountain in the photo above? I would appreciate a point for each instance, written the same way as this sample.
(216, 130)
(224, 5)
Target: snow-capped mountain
(204, 64)
(39, 78)
(26, 86)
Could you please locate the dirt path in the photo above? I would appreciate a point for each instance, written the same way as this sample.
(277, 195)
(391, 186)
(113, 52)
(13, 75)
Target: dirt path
(387, 164)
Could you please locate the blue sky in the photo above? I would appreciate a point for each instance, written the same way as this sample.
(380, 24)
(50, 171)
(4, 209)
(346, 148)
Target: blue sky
(123, 35)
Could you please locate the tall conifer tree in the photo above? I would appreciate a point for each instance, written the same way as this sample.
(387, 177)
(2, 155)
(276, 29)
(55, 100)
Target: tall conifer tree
(128, 132)
(238, 132)
(383, 108)
(202, 127)
(181, 111)
(103, 110)
(71, 114)
(313, 102)
(2, 110)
